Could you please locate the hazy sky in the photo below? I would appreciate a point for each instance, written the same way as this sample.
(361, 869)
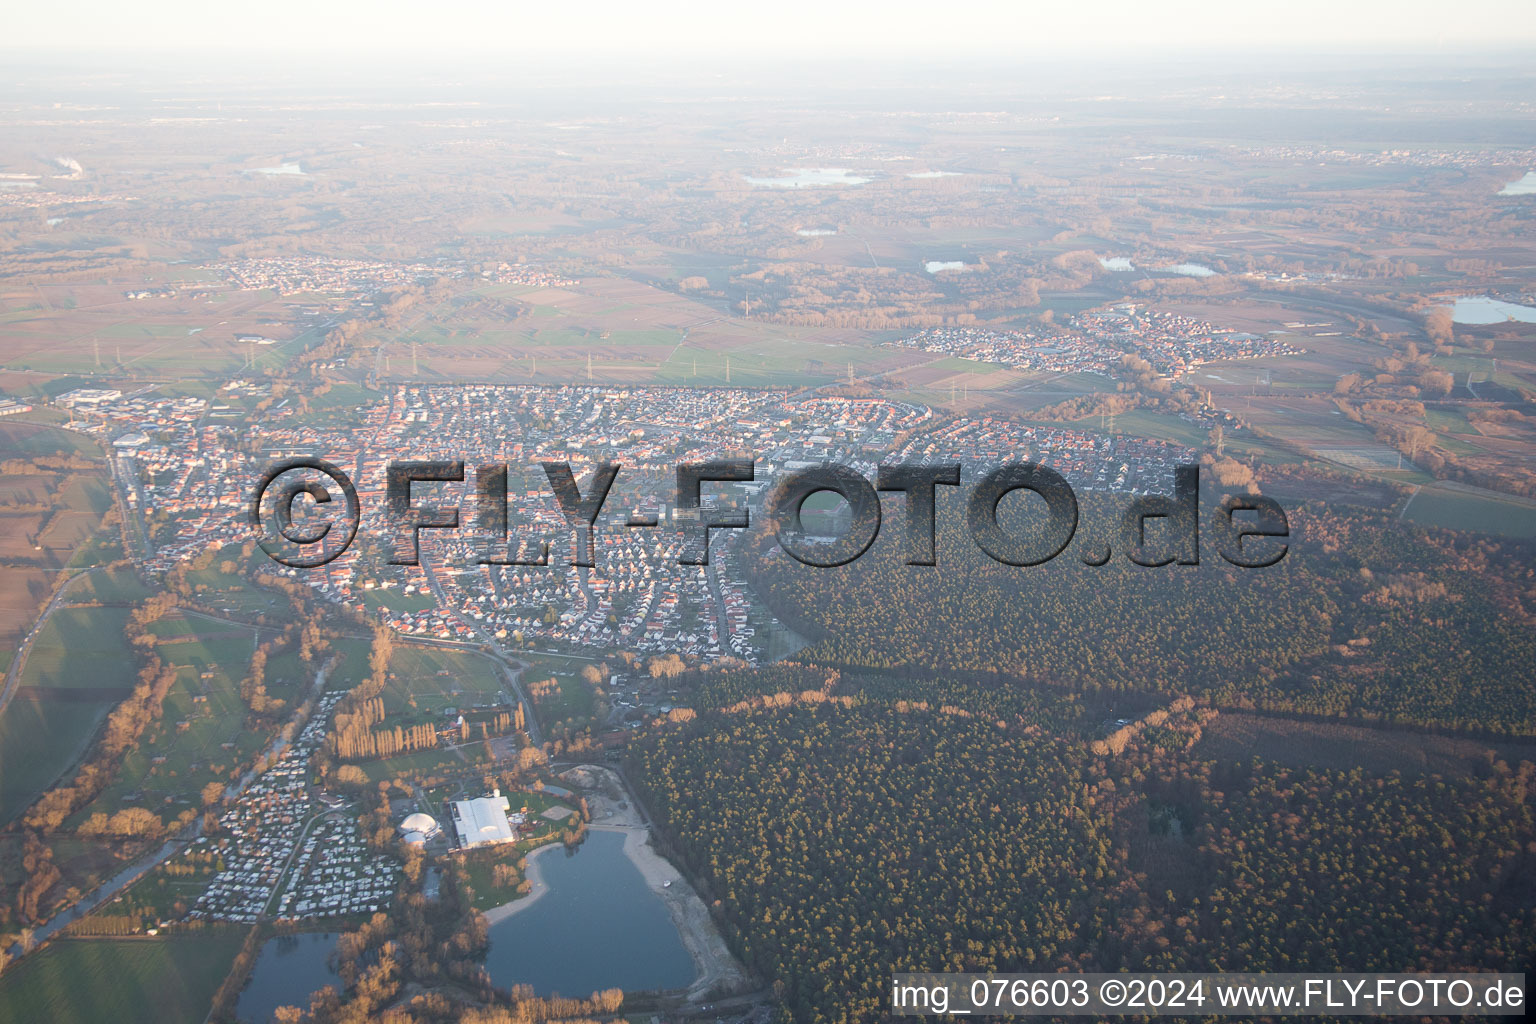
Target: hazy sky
(775, 28)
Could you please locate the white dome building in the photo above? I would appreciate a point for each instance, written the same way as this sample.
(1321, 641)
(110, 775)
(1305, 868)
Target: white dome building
(417, 828)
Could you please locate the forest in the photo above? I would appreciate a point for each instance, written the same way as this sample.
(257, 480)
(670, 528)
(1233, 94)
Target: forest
(1366, 618)
(845, 841)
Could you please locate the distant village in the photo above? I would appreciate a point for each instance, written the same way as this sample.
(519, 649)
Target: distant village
(1094, 341)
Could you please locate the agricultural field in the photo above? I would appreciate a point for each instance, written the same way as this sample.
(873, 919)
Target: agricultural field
(83, 329)
(116, 586)
(81, 649)
(1464, 509)
(77, 669)
(630, 332)
(47, 516)
(127, 981)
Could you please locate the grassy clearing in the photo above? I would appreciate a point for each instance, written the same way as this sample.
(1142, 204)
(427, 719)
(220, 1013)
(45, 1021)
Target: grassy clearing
(397, 600)
(127, 981)
(570, 700)
(1335, 745)
(425, 763)
(424, 681)
(220, 585)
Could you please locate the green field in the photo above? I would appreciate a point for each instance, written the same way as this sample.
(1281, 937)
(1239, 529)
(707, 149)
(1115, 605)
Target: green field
(570, 701)
(425, 763)
(1141, 423)
(220, 585)
(82, 647)
(1460, 510)
(25, 438)
(395, 599)
(110, 586)
(201, 736)
(38, 743)
(125, 981)
(426, 680)
(78, 649)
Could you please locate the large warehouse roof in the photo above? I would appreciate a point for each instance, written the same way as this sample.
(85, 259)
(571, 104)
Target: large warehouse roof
(483, 820)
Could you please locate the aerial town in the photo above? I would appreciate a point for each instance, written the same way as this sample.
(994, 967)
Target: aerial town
(421, 596)
(173, 455)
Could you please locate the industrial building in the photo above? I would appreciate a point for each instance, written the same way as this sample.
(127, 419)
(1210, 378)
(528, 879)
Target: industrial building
(485, 820)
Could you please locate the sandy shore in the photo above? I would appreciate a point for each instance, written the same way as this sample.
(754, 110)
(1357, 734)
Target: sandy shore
(534, 875)
(613, 810)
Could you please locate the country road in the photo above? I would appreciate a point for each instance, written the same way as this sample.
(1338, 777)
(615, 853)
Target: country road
(18, 663)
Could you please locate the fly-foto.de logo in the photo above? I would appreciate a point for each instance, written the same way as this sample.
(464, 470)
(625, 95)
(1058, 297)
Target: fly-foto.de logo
(1248, 529)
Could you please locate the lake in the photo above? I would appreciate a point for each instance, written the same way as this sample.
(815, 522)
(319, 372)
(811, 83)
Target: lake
(596, 925)
(289, 970)
(810, 177)
(1119, 264)
(280, 169)
(934, 266)
(935, 174)
(815, 232)
(1526, 186)
(1484, 309)
(1188, 270)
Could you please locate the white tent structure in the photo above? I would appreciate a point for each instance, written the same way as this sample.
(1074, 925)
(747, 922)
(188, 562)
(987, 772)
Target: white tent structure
(417, 828)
